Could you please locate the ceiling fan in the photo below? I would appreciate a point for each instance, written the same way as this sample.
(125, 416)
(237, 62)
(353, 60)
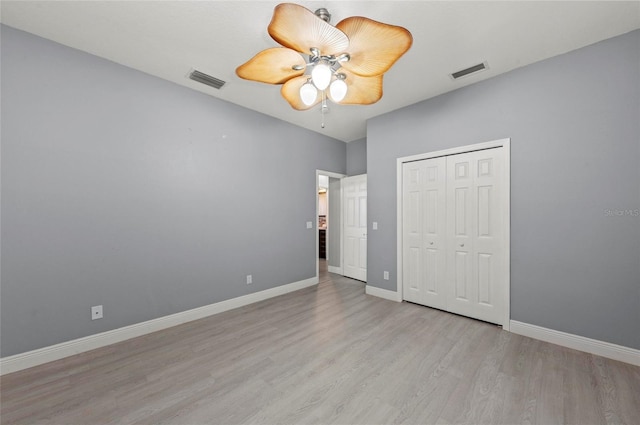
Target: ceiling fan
(344, 63)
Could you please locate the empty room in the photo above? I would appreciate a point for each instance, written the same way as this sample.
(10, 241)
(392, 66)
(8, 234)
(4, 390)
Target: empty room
(321, 212)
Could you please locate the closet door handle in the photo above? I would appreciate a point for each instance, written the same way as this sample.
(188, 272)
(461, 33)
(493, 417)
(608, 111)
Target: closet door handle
(461, 245)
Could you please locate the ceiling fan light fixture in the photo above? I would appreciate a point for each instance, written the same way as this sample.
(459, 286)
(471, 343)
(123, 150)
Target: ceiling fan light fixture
(308, 93)
(321, 75)
(338, 90)
(317, 58)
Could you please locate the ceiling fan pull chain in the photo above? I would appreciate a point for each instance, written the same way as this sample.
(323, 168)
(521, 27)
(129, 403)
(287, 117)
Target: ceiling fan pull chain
(322, 108)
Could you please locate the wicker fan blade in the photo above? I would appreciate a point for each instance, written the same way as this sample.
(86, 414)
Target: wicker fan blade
(273, 66)
(374, 47)
(361, 90)
(291, 92)
(300, 29)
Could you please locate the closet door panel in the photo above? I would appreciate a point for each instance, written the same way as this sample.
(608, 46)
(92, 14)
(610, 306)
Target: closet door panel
(412, 177)
(423, 232)
(433, 238)
(475, 222)
(460, 212)
(489, 241)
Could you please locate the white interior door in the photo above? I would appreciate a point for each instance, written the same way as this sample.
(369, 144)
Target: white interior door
(453, 230)
(475, 228)
(424, 207)
(354, 190)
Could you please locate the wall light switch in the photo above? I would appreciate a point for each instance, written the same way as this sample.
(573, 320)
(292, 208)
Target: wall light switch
(249, 279)
(375, 225)
(309, 225)
(386, 275)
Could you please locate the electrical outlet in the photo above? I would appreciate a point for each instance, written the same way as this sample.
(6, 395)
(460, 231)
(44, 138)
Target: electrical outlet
(375, 225)
(249, 279)
(385, 275)
(309, 225)
(96, 312)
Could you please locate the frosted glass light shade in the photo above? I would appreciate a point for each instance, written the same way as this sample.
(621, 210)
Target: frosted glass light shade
(308, 93)
(321, 75)
(338, 90)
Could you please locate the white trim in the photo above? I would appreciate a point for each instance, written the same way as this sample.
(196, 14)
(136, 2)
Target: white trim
(399, 226)
(588, 345)
(69, 348)
(383, 293)
(506, 146)
(501, 143)
(455, 151)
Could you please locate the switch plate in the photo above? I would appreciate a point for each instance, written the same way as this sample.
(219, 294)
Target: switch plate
(96, 312)
(249, 279)
(309, 225)
(375, 225)
(385, 275)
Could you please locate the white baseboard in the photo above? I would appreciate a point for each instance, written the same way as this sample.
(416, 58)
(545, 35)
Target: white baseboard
(383, 293)
(334, 269)
(588, 345)
(69, 348)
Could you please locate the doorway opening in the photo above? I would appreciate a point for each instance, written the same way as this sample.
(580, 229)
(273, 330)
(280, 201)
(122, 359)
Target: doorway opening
(328, 238)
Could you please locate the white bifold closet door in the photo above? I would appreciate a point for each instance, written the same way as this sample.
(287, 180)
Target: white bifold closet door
(424, 232)
(453, 234)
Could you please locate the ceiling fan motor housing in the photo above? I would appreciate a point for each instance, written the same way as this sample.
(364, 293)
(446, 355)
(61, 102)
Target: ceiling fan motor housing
(323, 14)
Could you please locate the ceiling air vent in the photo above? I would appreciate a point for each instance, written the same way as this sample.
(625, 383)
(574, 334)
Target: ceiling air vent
(470, 70)
(203, 78)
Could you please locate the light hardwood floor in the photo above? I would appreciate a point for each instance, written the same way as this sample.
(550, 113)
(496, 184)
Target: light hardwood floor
(328, 355)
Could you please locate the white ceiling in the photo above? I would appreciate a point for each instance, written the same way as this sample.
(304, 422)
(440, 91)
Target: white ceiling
(170, 38)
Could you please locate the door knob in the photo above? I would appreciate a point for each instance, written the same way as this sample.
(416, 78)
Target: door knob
(461, 244)
(430, 243)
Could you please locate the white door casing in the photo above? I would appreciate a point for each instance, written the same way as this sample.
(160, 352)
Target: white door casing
(476, 274)
(354, 191)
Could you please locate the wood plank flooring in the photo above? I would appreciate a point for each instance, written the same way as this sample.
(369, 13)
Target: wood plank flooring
(327, 355)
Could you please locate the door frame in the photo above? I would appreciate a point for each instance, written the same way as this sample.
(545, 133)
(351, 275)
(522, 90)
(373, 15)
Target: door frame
(505, 144)
(317, 238)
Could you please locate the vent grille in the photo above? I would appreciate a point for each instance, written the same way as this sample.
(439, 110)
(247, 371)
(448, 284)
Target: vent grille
(470, 70)
(203, 78)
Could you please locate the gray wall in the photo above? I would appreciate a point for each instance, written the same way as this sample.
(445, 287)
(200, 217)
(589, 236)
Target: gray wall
(574, 124)
(149, 198)
(357, 157)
